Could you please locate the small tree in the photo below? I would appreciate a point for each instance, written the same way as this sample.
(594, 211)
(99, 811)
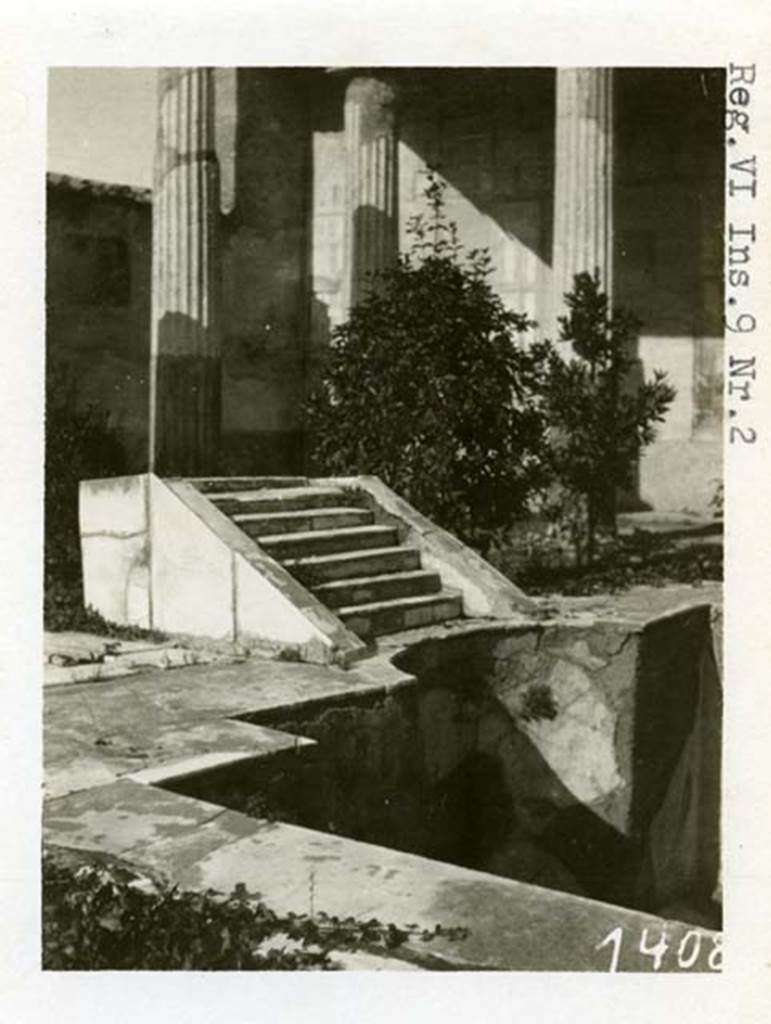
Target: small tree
(600, 422)
(428, 386)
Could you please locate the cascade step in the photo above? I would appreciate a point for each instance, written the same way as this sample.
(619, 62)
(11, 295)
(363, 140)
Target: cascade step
(258, 524)
(225, 484)
(373, 589)
(380, 617)
(281, 499)
(319, 569)
(326, 542)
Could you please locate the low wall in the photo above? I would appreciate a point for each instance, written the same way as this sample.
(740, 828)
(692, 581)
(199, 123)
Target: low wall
(115, 548)
(157, 554)
(486, 592)
(579, 758)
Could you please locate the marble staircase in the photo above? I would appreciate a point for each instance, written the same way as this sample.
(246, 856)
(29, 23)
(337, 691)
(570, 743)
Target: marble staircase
(328, 538)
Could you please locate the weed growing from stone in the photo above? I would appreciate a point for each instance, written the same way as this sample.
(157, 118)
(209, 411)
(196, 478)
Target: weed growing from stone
(538, 704)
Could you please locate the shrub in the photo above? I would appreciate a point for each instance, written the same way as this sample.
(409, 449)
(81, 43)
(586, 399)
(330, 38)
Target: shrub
(79, 443)
(599, 422)
(637, 560)
(429, 386)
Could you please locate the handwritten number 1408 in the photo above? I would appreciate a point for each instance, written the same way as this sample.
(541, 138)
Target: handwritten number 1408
(692, 946)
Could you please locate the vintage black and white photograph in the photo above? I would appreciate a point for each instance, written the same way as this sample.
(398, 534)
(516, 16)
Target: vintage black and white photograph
(384, 518)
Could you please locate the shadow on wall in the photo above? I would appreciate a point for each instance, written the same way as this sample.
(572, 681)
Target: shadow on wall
(478, 825)
(668, 210)
(267, 307)
(374, 246)
(264, 388)
(587, 793)
(503, 808)
(677, 750)
(420, 772)
(490, 133)
(189, 398)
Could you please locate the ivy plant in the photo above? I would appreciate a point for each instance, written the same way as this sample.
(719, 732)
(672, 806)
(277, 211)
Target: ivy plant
(102, 915)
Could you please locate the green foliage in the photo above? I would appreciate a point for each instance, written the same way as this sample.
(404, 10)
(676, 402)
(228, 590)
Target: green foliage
(599, 422)
(429, 386)
(637, 560)
(80, 444)
(102, 916)
(538, 704)
(64, 610)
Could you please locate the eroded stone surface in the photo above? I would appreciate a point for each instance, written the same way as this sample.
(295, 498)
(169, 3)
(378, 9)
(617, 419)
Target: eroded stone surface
(99, 731)
(566, 765)
(80, 658)
(122, 815)
(512, 925)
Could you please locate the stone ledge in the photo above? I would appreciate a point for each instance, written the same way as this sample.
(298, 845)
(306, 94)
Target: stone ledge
(512, 925)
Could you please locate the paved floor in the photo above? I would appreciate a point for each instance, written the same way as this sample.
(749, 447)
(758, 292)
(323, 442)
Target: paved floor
(106, 742)
(72, 657)
(96, 732)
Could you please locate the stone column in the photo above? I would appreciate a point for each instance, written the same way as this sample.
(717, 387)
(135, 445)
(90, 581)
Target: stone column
(371, 215)
(583, 160)
(185, 371)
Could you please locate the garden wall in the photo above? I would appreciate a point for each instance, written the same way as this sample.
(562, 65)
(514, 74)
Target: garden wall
(578, 758)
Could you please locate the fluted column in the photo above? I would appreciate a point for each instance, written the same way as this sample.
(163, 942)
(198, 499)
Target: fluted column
(371, 221)
(185, 373)
(583, 209)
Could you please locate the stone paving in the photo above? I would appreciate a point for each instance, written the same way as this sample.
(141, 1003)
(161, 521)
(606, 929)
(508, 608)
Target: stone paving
(108, 742)
(201, 846)
(634, 608)
(86, 657)
(98, 732)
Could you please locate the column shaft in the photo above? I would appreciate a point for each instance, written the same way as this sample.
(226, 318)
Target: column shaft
(583, 209)
(371, 228)
(185, 377)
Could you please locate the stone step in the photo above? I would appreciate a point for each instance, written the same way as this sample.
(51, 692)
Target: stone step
(318, 569)
(380, 617)
(281, 499)
(373, 589)
(258, 524)
(227, 484)
(327, 542)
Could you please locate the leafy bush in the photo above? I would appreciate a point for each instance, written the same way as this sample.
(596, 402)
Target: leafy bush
(599, 423)
(429, 386)
(638, 560)
(64, 610)
(103, 916)
(79, 443)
